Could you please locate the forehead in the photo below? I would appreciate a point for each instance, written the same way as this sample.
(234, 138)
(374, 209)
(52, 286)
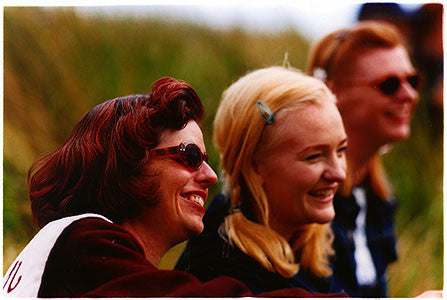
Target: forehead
(374, 63)
(191, 133)
(312, 124)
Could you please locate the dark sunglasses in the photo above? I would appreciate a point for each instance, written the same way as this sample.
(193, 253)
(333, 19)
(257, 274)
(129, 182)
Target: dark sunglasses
(391, 84)
(187, 154)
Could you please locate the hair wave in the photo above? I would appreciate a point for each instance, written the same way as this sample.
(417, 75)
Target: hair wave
(101, 167)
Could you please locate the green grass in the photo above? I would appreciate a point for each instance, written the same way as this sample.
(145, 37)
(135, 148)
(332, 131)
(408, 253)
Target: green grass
(58, 65)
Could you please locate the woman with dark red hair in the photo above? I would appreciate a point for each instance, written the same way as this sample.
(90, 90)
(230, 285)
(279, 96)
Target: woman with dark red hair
(128, 184)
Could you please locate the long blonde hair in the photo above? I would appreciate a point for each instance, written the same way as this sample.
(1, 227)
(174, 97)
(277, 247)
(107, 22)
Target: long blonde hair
(332, 54)
(238, 127)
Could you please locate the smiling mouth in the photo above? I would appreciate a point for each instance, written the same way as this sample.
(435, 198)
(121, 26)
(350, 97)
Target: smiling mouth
(323, 193)
(195, 198)
(401, 114)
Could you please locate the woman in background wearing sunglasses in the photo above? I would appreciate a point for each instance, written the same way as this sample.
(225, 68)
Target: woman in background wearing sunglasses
(282, 142)
(369, 70)
(128, 184)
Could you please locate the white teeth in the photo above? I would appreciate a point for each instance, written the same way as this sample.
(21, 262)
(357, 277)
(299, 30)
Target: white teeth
(403, 113)
(399, 114)
(196, 199)
(322, 193)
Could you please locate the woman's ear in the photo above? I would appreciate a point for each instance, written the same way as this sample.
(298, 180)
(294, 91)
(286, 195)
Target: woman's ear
(331, 85)
(256, 172)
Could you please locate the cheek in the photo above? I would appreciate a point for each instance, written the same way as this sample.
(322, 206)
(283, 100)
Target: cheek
(351, 108)
(307, 180)
(295, 183)
(152, 192)
(361, 115)
(172, 184)
(345, 100)
(358, 102)
(149, 188)
(289, 182)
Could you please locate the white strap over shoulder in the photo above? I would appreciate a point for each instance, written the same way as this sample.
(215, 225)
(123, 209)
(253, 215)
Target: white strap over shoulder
(24, 276)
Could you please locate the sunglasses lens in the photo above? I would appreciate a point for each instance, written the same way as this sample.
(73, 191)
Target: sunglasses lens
(192, 156)
(414, 81)
(390, 85)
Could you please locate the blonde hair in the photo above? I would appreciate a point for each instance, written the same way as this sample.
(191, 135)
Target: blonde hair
(238, 127)
(333, 53)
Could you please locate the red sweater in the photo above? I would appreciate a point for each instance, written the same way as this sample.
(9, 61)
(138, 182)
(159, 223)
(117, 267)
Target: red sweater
(95, 258)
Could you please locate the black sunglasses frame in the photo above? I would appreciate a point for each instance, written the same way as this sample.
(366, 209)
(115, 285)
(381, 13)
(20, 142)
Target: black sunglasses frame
(180, 154)
(390, 84)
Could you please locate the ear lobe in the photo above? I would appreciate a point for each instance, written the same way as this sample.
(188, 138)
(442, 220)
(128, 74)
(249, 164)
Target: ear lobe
(257, 173)
(330, 84)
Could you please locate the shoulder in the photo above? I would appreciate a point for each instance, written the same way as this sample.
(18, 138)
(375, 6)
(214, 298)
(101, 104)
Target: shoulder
(210, 255)
(94, 231)
(216, 212)
(94, 227)
(88, 252)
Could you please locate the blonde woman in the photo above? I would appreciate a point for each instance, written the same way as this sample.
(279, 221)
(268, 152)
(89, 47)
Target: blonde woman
(369, 70)
(282, 143)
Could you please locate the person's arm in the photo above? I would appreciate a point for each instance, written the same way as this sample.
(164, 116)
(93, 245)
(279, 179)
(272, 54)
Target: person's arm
(94, 258)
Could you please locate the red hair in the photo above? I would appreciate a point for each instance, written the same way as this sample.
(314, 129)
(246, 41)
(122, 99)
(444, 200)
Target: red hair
(101, 166)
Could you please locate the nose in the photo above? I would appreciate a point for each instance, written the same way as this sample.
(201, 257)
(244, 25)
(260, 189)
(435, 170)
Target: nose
(206, 175)
(407, 93)
(336, 170)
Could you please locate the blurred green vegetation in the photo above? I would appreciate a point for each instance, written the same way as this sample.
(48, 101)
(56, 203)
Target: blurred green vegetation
(58, 64)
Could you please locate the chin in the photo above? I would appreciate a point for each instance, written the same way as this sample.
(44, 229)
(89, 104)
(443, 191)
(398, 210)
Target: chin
(400, 134)
(194, 230)
(325, 217)
(324, 221)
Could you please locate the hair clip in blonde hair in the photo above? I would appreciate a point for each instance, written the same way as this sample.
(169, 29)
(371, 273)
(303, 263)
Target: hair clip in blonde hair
(236, 208)
(320, 73)
(264, 109)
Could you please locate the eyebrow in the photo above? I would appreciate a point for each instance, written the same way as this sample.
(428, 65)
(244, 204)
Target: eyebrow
(321, 147)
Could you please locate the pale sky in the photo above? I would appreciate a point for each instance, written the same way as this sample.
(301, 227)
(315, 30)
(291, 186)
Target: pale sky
(313, 18)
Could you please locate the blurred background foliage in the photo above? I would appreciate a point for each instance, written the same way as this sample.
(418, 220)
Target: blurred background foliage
(58, 64)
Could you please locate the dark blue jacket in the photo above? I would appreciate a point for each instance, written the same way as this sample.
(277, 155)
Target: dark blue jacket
(381, 241)
(209, 255)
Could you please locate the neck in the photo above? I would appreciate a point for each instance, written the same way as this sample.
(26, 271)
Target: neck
(154, 244)
(289, 234)
(359, 154)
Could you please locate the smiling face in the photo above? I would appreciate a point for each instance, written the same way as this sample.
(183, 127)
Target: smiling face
(182, 192)
(366, 111)
(302, 171)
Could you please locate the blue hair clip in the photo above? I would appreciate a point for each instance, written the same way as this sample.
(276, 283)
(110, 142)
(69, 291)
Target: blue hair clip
(236, 208)
(263, 108)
